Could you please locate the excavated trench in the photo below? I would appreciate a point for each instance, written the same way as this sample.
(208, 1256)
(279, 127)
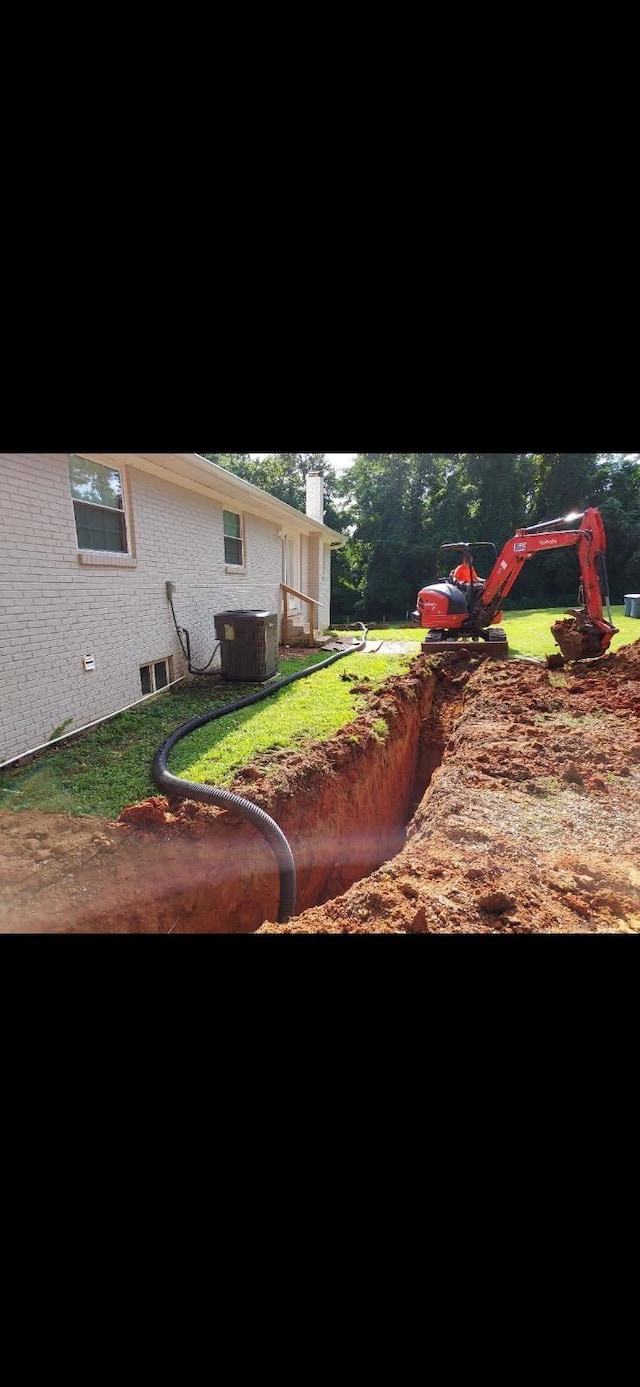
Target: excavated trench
(183, 867)
(468, 797)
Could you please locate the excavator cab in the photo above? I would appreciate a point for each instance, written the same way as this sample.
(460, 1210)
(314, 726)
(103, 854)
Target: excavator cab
(451, 607)
(450, 556)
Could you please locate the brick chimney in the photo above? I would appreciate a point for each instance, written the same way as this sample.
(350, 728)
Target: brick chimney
(315, 496)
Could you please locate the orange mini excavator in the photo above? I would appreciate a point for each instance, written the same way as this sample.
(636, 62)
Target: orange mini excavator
(455, 612)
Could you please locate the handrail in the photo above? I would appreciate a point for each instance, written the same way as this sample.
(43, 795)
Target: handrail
(303, 597)
(294, 592)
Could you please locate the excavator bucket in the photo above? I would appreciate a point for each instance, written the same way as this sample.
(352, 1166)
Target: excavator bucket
(580, 638)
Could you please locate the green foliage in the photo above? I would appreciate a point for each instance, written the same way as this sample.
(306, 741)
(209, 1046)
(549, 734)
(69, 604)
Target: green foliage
(281, 474)
(404, 505)
(387, 547)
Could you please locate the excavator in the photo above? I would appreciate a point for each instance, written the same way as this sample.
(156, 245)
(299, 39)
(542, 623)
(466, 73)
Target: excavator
(455, 612)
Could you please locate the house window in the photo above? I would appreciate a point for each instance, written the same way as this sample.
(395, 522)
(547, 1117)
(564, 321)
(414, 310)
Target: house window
(98, 504)
(233, 541)
(154, 677)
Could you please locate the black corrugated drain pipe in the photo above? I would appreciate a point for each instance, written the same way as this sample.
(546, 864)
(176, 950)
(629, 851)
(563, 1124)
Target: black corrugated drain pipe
(224, 799)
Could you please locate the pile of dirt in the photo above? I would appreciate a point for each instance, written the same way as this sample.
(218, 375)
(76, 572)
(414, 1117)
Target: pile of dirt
(525, 784)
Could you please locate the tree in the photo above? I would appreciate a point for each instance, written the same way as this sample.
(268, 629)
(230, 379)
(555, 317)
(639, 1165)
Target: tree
(281, 474)
(567, 482)
(620, 506)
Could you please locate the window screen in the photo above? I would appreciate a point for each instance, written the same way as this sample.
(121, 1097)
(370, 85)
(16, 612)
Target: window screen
(100, 529)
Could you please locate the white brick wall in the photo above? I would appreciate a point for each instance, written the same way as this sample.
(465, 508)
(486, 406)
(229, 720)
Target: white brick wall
(54, 609)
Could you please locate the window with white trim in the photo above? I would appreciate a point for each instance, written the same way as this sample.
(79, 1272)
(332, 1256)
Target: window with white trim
(155, 676)
(98, 506)
(233, 539)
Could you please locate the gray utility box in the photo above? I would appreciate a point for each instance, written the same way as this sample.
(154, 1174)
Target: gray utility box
(248, 644)
(632, 604)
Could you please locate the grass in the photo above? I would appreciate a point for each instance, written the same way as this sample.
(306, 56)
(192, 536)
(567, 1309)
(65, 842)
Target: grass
(528, 633)
(105, 769)
(308, 711)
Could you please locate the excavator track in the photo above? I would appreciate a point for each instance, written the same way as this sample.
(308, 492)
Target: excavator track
(495, 648)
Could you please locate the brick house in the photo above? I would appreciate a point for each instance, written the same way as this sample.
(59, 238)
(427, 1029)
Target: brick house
(88, 542)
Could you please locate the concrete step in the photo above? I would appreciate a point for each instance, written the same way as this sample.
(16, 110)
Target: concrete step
(299, 635)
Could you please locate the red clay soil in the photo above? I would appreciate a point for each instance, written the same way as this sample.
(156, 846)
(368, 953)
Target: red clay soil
(529, 823)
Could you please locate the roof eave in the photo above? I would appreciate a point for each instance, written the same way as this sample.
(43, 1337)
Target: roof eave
(199, 474)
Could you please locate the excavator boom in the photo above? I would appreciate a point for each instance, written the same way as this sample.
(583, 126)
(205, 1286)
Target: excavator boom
(586, 633)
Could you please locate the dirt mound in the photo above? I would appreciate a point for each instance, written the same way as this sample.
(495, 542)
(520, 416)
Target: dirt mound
(529, 824)
(471, 797)
(626, 661)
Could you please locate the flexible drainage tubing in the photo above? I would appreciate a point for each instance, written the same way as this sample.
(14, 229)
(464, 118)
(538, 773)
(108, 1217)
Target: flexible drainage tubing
(224, 799)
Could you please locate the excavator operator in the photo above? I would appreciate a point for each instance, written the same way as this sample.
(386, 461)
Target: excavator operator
(465, 574)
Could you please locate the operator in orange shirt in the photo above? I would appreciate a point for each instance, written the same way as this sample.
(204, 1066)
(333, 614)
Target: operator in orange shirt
(465, 574)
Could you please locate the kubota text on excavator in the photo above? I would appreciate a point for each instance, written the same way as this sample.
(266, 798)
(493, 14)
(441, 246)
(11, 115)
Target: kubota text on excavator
(455, 611)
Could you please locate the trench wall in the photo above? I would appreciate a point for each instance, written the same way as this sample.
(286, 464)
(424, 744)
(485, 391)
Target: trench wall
(353, 816)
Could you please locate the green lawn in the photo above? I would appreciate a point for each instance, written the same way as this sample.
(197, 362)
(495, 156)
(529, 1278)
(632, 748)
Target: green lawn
(528, 633)
(109, 767)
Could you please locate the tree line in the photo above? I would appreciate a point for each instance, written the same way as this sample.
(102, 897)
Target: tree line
(397, 508)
